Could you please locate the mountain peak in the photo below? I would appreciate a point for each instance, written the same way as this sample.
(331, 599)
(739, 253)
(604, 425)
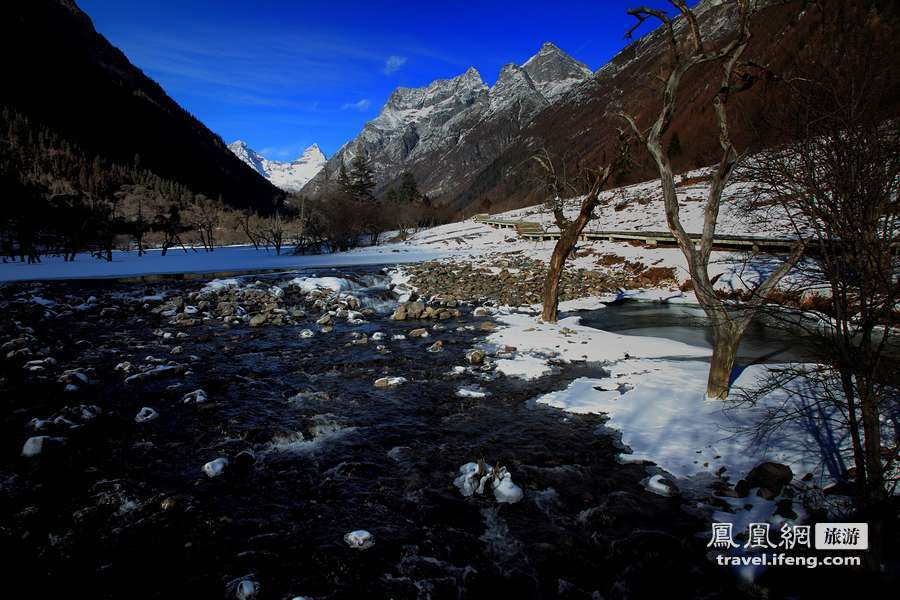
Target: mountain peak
(514, 84)
(312, 154)
(471, 73)
(554, 72)
(289, 176)
(549, 47)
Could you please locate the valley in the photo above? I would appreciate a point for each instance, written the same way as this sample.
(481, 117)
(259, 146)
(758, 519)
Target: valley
(533, 301)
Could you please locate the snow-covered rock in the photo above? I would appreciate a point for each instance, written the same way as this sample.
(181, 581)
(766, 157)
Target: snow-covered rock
(505, 491)
(660, 485)
(471, 391)
(360, 539)
(246, 590)
(195, 397)
(474, 478)
(145, 414)
(216, 467)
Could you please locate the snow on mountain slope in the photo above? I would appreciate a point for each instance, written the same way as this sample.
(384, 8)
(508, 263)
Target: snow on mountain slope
(554, 72)
(289, 176)
(446, 131)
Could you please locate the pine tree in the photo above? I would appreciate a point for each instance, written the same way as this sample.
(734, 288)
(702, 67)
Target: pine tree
(408, 192)
(344, 181)
(362, 180)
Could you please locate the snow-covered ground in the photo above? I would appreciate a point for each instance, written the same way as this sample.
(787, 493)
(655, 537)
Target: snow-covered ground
(655, 398)
(639, 207)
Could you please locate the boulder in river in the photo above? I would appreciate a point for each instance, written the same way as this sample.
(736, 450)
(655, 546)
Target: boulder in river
(146, 414)
(475, 357)
(386, 382)
(195, 397)
(36, 445)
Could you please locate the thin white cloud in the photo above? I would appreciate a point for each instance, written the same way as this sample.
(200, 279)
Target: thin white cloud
(359, 105)
(393, 64)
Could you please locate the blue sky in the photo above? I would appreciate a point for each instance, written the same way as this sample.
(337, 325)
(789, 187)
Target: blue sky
(284, 74)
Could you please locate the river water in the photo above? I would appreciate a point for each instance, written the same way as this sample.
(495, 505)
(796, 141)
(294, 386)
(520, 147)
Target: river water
(123, 509)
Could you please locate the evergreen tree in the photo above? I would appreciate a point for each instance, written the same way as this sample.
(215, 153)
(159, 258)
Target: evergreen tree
(408, 192)
(362, 180)
(344, 181)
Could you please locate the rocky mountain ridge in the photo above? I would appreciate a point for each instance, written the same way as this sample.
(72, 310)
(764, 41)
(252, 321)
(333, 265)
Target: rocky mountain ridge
(457, 123)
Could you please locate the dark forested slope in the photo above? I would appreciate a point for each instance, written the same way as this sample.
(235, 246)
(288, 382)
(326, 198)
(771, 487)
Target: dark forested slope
(61, 73)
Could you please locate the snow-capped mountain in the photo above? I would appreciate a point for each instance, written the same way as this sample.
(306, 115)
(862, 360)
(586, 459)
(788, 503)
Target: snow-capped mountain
(446, 131)
(554, 72)
(289, 176)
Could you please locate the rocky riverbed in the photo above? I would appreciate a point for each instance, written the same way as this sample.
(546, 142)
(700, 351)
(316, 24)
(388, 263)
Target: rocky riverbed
(289, 435)
(515, 280)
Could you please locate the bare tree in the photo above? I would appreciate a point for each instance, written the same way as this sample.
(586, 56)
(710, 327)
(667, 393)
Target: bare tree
(205, 216)
(559, 182)
(250, 224)
(560, 178)
(686, 55)
(274, 229)
(136, 200)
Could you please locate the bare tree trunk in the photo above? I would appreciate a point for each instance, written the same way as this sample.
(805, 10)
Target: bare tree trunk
(874, 467)
(722, 363)
(564, 245)
(568, 237)
(859, 456)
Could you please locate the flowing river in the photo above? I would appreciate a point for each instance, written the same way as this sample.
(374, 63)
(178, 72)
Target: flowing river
(123, 509)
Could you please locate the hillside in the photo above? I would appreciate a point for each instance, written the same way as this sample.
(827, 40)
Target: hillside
(60, 72)
(581, 126)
